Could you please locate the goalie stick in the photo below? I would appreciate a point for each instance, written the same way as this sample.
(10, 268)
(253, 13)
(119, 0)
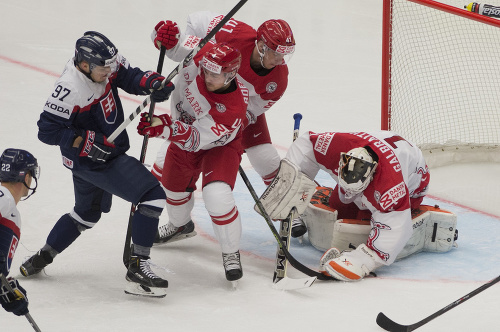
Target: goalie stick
(7, 285)
(126, 122)
(293, 262)
(174, 72)
(281, 281)
(389, 325)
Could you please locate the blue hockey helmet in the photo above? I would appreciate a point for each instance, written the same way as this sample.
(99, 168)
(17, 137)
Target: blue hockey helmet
(15, 164)
(97, 50)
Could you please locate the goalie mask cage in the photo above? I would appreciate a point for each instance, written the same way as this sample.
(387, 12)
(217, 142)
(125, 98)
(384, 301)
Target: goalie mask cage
(440, 79)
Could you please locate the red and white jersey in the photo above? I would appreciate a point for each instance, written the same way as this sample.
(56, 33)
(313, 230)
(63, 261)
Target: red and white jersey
(10, 225)
(401, 174)
(203, 119)
(264, 91)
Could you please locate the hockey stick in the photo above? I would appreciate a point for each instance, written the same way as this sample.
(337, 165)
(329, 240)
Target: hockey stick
(285, 229)
(30, 319)
(127, 250)
(389, 325)
(293, 262)
(174, 72)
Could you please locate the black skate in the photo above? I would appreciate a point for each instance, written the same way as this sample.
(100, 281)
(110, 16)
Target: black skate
(139, 271)
(298, 227)
(232, 266)
(170, 233)
(36, 263)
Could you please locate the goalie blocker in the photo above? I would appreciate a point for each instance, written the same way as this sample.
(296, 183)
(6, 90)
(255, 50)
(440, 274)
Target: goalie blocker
(289, 189)
(434, 229)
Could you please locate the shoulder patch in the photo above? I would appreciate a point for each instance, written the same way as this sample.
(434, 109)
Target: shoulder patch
(392, 196)
(323, 143)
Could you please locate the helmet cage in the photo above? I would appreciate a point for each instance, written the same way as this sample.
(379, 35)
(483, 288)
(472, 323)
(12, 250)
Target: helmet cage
(356, 169)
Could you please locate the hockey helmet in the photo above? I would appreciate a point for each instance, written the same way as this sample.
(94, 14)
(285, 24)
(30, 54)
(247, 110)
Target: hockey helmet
(97, 50)
(356, 169)
(222, 58)
(277, 36)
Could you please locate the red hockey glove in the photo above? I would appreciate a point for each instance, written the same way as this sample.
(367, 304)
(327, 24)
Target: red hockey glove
(158, 126)
(167, 34)
(95, 146)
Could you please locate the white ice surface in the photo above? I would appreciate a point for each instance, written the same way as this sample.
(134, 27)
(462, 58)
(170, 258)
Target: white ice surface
(335, 84)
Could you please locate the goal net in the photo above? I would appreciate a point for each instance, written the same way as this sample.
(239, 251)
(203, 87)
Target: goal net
(441, 79)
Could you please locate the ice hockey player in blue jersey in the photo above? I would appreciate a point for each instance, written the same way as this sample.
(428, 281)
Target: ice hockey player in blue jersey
(19, 174)
(83, 109)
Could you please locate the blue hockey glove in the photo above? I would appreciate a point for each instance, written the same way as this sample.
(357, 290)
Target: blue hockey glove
(16, 302)
(153, 80)
(95, 146)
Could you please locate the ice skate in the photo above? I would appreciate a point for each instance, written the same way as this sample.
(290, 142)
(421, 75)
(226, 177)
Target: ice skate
(36, 263)
(232, 266)
(139, 272)
(298, 228)
(170, 233)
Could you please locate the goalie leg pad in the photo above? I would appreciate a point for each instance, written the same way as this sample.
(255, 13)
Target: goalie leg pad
(434, 230)
(290, 188)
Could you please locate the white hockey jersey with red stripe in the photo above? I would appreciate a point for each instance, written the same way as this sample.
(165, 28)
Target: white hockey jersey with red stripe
(10, 227)
(204, 119)
(401, 174)
(264, 91)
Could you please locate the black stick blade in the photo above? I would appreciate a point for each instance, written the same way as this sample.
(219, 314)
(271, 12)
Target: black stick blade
(389, 325)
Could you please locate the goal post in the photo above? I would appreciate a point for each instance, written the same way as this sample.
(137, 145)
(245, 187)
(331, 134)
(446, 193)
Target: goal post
(441, 79)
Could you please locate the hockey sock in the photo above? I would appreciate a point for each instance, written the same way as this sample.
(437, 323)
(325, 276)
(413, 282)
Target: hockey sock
(145, 222)
(64, 232)
(141, 251)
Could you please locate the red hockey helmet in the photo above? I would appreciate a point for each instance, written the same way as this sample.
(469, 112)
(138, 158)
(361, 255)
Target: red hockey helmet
(222, 58)
(277, 35)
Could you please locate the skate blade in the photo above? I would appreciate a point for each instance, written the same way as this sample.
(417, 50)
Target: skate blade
(137, 289)
(293, 284)
(180, 237)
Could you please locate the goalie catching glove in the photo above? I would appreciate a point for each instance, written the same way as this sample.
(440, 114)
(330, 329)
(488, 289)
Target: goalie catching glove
(16, 302)
(158, 126)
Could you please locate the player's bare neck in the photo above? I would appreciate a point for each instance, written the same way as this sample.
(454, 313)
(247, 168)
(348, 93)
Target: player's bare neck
(227, 88)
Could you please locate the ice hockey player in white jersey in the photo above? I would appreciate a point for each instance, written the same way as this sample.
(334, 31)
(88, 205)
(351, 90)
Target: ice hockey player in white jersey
(264, 72)
(19, 174)
(84, 109)
(208, 117)
(381, 177)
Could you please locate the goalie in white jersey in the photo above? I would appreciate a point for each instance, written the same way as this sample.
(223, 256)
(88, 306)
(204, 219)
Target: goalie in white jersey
(381, 177)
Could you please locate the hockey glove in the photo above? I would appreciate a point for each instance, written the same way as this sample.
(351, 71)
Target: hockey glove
(16, 302)
(167, 34)
(153, 80)
(95, 146)
(158, 126)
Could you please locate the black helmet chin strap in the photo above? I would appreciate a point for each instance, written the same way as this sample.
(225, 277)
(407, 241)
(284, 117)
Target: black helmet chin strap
(34, 189)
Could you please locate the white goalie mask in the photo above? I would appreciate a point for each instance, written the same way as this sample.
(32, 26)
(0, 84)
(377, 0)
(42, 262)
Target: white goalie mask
(356, 169)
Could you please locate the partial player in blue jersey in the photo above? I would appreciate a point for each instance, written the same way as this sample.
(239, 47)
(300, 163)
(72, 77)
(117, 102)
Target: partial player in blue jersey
(83, 109)
(19, 174)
